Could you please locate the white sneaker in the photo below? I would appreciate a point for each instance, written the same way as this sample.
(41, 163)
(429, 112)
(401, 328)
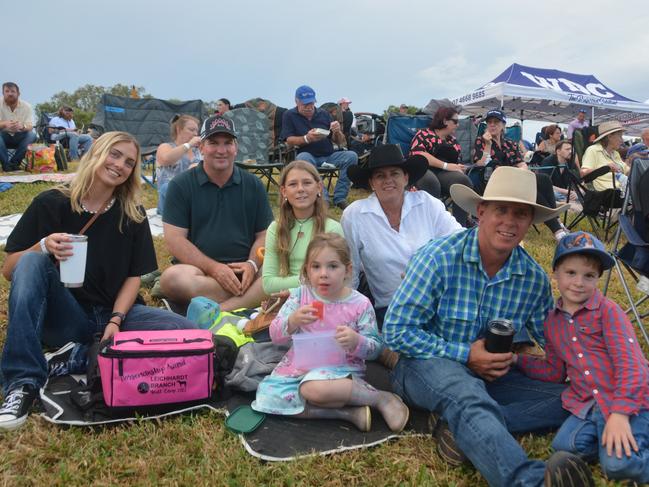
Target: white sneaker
(643, 284)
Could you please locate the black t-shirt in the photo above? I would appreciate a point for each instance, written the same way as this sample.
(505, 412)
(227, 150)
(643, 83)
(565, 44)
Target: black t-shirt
(113, 256)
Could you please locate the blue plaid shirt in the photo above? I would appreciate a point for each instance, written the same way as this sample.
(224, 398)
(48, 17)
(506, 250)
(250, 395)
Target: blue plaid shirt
(446, 299)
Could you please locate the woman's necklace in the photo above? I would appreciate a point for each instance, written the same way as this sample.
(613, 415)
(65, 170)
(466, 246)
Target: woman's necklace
(300, 233)
(108, 207)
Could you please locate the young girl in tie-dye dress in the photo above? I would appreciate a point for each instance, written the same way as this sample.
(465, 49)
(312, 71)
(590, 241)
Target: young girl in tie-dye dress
(333, 391)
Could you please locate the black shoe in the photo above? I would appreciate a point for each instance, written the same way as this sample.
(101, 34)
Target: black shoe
(57, 362)
(15, 407)
(446, 446)
(342, 204)
(565, 469)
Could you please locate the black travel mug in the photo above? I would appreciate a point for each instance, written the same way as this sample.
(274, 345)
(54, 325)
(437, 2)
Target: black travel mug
(500, 336)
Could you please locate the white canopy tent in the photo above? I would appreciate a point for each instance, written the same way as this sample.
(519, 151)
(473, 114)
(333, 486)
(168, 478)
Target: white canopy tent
(529, 93)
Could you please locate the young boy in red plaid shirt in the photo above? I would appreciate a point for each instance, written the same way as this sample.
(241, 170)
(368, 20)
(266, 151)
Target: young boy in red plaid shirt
(590, 340)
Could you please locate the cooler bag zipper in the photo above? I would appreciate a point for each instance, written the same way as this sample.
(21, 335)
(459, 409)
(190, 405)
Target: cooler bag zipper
(120, 355)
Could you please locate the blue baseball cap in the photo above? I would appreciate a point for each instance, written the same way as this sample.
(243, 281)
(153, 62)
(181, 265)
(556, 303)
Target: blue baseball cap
(583, 243)
(305, 94)
(496, 114)
(582, 110)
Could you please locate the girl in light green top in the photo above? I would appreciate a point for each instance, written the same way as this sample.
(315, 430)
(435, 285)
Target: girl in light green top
(302, 214)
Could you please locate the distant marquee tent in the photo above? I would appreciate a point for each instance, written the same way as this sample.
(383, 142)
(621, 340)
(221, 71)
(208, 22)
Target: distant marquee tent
(529, 93)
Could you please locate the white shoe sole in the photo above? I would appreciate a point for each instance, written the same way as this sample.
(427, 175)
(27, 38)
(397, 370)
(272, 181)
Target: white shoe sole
(13, 424)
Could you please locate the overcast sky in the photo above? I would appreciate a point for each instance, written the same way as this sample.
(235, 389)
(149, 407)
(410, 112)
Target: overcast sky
(376, 52)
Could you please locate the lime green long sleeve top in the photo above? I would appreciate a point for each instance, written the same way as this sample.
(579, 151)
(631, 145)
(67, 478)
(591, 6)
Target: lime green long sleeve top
(271, 279)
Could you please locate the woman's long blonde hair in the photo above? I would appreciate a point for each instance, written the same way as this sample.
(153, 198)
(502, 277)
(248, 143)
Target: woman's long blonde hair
(127, 193)
(286, 220)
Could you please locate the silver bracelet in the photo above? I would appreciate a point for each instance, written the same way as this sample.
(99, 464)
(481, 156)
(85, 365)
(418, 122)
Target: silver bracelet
(306, 140)
(445, 166)
(187, 146)
(253, 264)
(43, 247)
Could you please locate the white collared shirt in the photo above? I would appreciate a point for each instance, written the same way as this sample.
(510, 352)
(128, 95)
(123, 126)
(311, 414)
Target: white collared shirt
(62, 122)
(382, 252)
(22, 113)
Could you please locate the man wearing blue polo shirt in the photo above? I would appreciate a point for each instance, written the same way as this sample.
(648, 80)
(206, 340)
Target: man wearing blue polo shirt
(215, 218)
(300, 128)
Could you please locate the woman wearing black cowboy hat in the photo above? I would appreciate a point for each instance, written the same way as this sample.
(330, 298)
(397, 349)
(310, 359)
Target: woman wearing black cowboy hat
(386, 228)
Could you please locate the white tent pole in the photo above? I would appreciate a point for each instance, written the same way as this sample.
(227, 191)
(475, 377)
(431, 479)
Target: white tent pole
(592, 116)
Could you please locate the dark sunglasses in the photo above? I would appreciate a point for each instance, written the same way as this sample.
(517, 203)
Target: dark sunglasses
(454, 120)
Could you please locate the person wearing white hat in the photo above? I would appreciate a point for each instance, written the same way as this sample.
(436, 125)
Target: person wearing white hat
(604, 152)
(349, 120)
(453, 287)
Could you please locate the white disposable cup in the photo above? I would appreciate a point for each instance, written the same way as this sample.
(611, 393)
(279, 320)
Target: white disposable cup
(73, 269)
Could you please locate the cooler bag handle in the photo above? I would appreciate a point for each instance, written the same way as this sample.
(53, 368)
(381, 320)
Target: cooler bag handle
(158, 341)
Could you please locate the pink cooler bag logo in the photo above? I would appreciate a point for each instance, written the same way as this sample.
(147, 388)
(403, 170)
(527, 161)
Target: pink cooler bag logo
(148, 368)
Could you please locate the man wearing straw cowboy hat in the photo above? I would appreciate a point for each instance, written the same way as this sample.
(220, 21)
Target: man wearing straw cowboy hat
(437, 321)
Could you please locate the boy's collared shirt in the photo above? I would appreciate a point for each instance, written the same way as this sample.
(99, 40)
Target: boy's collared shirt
(598, 350)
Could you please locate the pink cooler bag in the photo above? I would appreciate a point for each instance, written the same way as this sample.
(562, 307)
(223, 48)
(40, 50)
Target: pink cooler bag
(152, 368)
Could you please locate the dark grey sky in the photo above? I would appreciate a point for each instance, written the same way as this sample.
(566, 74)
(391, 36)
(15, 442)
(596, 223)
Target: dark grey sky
(375, 52)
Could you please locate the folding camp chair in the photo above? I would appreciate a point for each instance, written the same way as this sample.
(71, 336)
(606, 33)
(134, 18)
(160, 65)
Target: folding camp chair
(61, 146)
(369, 131)
(148, 167)
(254, 142)
(634, 255)
(598, 207)
(400, 129)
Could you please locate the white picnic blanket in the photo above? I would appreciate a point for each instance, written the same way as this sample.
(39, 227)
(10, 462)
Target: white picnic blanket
(7, 224)
(32, 178)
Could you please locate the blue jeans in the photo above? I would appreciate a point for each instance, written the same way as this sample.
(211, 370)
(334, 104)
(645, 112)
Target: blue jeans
(41, 309)
(584, 438)
(76, 140)
(18, 141)
(342, 160)
(482, 415)
(162, 196)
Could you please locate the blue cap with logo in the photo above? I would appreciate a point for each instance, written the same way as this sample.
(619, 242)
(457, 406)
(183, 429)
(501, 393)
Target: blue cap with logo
(583, 243)
(496, 114)
(305, 94)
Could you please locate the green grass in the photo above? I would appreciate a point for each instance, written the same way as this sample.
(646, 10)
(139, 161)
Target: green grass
(198, 450)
